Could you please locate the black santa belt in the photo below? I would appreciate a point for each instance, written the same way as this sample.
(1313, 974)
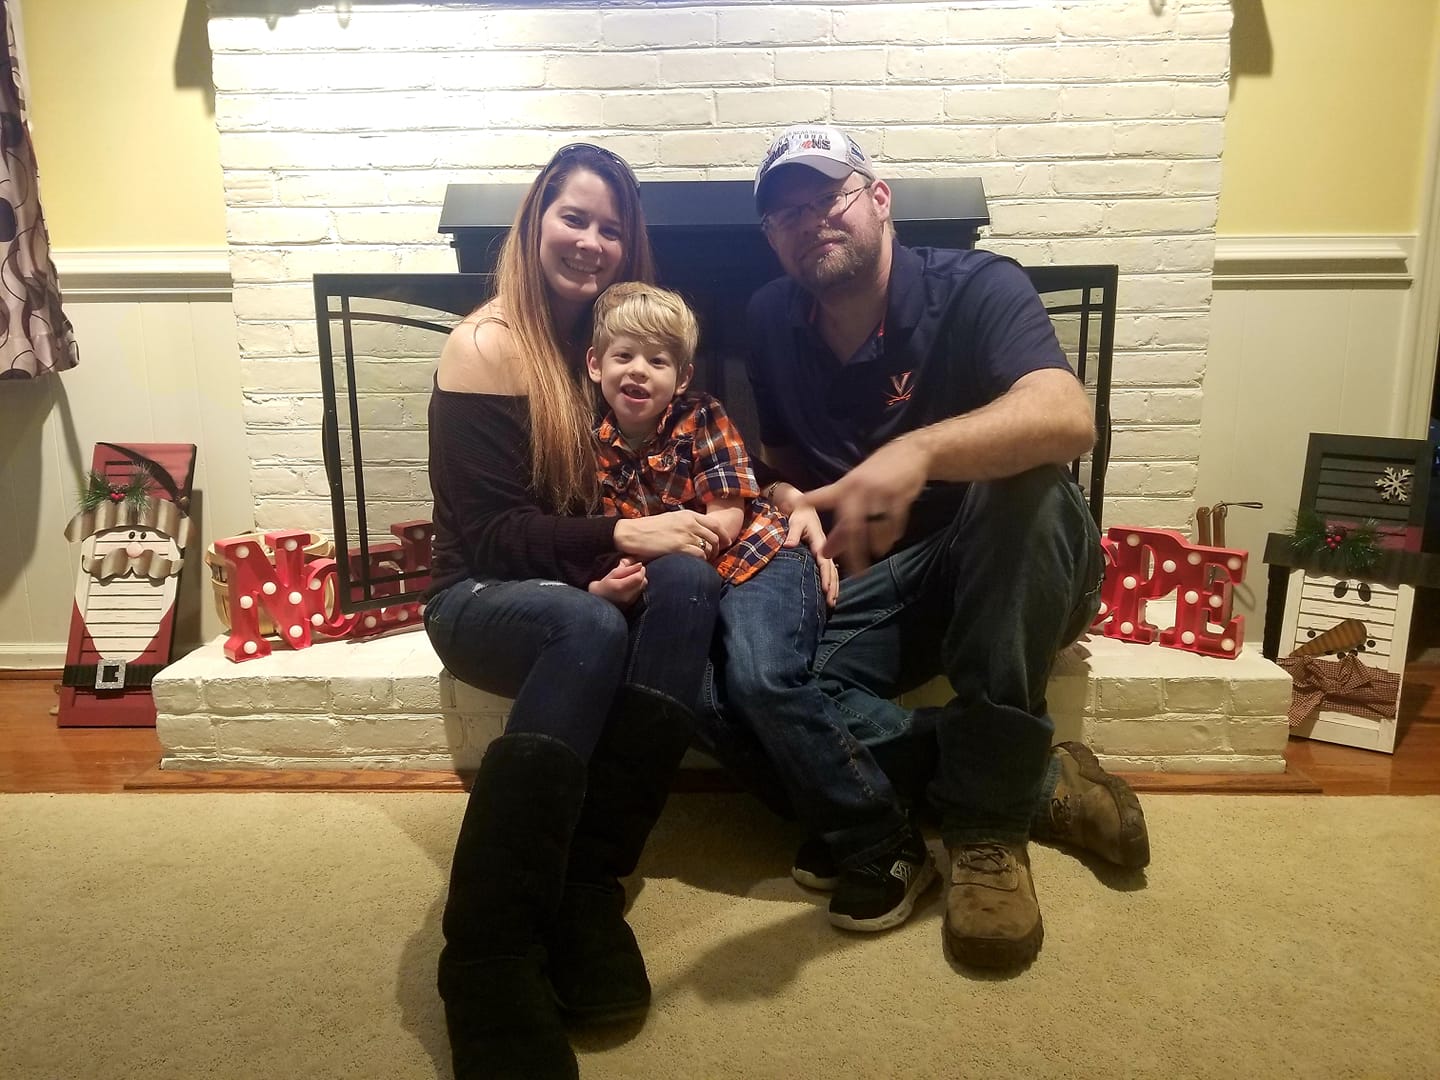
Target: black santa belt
(110, 675)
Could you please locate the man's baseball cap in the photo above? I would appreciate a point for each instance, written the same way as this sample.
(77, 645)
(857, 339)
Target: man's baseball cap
(825, 149)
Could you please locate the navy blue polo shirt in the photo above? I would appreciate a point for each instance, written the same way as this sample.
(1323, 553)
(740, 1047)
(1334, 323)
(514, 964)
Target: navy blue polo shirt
(960, 328)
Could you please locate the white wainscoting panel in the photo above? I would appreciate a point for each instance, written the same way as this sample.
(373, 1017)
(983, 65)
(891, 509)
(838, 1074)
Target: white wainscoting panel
(158, 363)
(1305, 336)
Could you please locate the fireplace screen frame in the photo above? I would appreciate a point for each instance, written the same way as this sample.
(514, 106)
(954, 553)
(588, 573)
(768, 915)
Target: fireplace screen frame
(361, 581)
(1097, 286)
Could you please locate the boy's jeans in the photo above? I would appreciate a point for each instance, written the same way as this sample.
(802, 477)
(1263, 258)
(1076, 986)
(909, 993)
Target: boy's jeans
(763, 714)
(562, 653)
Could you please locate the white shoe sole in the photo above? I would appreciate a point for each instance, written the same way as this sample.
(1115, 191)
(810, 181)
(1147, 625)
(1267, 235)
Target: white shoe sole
(896, 915)
(813, 881)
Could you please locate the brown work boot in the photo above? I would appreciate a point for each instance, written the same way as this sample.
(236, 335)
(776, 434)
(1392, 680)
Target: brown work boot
(1094, 810)
(992, 919)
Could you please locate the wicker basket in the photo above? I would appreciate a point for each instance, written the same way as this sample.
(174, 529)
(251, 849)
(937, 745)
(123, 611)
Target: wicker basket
(316, 547)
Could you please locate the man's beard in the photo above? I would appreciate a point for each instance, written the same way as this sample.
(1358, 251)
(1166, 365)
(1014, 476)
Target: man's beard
(851, 258)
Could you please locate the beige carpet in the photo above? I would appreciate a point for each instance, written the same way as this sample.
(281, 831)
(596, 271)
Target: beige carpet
(266, 935)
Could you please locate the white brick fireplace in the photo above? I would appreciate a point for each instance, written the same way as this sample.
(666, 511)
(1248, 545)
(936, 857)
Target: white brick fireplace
(1095, 125)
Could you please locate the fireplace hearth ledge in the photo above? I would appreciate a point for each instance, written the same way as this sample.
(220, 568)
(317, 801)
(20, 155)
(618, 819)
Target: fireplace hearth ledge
(387, 703)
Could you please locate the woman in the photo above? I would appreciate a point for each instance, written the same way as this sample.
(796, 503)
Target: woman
(597, 627)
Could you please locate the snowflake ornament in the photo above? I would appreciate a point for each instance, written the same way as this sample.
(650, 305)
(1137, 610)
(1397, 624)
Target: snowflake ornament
(1395, 483)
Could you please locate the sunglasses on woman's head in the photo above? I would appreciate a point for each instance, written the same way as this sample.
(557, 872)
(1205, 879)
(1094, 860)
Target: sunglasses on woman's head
(608, 155)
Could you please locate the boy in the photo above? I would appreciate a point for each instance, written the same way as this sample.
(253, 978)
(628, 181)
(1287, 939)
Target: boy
(662, 449)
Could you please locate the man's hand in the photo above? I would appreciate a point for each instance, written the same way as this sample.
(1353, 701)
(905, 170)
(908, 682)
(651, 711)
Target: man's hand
(805, 528)
(623, 585)
(871, 502)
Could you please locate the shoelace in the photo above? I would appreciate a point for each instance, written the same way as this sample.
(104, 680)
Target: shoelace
(1061, 814)
(985, 858)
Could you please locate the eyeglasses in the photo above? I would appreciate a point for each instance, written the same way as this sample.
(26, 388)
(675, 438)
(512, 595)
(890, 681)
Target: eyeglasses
(824, 207)
(609, 155)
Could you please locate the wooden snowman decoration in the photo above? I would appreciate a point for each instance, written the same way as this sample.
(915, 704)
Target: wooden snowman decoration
(1356, 558)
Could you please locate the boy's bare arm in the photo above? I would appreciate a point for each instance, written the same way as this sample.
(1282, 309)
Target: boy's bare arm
(726, 516)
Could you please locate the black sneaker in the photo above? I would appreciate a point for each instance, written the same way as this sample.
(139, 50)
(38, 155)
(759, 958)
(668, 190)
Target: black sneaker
(882, 893)
(814, 867)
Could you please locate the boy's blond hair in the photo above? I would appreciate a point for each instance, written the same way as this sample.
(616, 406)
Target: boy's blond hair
(649, 314)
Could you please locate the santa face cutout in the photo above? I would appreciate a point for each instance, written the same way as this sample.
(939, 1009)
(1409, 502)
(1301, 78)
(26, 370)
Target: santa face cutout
(126, 588)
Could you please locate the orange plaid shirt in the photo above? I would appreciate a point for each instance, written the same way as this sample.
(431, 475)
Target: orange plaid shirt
(697, 456)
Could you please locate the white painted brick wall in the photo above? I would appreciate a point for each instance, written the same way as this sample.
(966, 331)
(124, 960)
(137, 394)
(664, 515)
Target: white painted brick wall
(1096, 128)
(772, 25)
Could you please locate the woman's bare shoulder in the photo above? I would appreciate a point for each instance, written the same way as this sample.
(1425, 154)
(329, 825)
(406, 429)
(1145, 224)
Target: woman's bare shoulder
(479, 356)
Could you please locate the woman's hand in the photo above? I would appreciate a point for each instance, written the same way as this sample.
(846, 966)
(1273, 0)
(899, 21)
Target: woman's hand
(805, 528)
(623, 585)
(677, 532)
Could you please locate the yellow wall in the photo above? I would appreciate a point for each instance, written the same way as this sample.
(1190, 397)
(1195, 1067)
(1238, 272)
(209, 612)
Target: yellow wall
(127, 159)
(1330, 116)
(1331, 139)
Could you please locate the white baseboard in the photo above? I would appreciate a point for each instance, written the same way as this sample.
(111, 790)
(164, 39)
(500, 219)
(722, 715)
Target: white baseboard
(28, 655)
(1242, 261)
(134, 274)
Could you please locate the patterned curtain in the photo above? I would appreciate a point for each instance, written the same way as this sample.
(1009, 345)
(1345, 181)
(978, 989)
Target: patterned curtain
(35, 337)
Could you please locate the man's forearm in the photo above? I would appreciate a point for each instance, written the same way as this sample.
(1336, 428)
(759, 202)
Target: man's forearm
(1044, 419)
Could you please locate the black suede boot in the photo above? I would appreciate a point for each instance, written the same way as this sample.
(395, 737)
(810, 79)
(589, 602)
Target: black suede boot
(505, 886)
(595, 964)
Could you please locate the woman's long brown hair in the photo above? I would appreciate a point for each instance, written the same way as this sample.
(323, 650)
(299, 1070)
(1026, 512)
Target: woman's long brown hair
(562, 457)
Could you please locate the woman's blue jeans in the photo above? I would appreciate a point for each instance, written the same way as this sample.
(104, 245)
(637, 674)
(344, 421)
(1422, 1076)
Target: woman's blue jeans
(562, 653)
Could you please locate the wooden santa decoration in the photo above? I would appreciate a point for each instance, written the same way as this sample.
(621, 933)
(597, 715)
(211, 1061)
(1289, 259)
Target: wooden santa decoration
(134, 528)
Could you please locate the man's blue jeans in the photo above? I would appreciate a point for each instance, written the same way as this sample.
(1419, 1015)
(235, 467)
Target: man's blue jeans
(764, 715)
(562, 653)
(988, 602)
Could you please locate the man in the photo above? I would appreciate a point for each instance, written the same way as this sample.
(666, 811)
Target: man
(920, 398)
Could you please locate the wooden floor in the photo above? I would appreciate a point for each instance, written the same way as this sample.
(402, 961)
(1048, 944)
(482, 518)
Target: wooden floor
(36, 756)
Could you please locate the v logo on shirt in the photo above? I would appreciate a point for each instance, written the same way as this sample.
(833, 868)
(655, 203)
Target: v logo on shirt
(900, 387)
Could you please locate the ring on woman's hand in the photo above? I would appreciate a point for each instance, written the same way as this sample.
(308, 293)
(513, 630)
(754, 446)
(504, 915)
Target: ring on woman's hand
(704, 546)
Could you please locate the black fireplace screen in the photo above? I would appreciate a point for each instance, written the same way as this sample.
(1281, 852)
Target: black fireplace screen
(1081, 303)
(380, 334)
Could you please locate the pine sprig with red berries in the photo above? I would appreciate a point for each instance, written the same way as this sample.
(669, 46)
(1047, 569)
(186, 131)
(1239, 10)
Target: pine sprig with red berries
(1356, 547)
(135, 492)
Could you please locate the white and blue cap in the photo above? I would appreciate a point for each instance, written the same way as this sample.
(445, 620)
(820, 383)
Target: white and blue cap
(826, 149)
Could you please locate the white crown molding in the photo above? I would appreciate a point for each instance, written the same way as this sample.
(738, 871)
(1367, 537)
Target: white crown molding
(136, 274)
(32, 655)
(1305, 260)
